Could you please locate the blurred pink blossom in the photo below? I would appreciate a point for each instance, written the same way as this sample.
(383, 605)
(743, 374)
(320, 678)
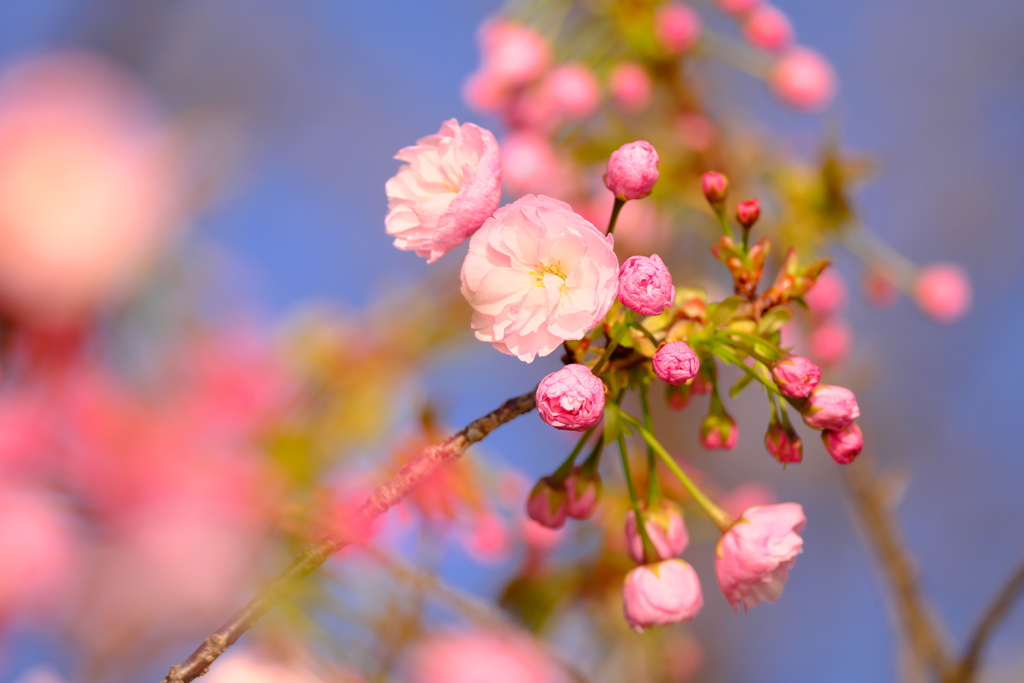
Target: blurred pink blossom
(677, 27)
(830, 341)
(943, 291)
(473, 657)
(804, 80)
(768, 28)
(828, 295)
(573, 89)
(631, 86)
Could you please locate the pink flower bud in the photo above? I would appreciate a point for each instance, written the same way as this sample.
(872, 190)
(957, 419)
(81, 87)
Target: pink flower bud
(844, 444)
(660, 594)
(795, 376)
(748, 212)
(753, 558)
(830, 341)
(715, 187)
(571, 398)
(738, 7)
(514, 53)
(718, 431)
(828, 294)
(677, 27)
(943, 291)
(666, 529)
(784, 444)
(768, 28)
(573, 89)
(675, 363)
(547, 503)
(632, 170)
(678, 397)
(830, 407)
(645, 285)
(804, 80)
(631, 86)
(584, 490)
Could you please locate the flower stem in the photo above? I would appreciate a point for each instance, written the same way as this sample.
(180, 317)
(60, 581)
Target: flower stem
(647, 333)
(725, 353)
(653, 489)
(563, 471)
(750, 351)
(641, 524)
(755, 339)
(616, 208)
(719, 516)
(606, 356)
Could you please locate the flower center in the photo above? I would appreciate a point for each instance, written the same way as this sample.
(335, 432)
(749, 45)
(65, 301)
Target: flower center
(541, 271)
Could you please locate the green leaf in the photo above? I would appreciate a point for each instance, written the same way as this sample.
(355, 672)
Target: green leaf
(723, 311)
(740, 385)
(774, 319)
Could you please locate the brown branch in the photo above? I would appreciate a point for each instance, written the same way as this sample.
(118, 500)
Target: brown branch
(873, 506)
(996, 612)
(387, 495)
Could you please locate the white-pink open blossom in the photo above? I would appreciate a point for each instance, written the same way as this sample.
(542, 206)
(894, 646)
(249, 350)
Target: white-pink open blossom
(753, 558)
(450, 185)
(537, 274)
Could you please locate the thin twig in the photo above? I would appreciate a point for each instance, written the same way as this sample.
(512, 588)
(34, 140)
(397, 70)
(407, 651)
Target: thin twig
(873, 507)
(386, 495)
(993, 616)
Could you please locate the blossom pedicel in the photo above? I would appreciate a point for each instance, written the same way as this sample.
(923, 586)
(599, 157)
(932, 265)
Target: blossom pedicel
(632, 170)
(645, 285)
(571, 398)
(450, 185)
(659, 594)
(536, 275)
(753, 558)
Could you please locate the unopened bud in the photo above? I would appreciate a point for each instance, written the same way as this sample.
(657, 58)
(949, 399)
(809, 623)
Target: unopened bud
(748, 212)
(583, 490)
(715, 187)
(548, 503)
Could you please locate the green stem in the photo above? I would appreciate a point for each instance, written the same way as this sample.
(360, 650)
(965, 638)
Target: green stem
(723, 219)
(764, 360)
(647, 333)
(755, 339)
(594, 459)
(606, 356)
(616, 208)
(725, 353)
(565, 469)
(641, 524)
(746, 238)
(653, 489)
(719, 516)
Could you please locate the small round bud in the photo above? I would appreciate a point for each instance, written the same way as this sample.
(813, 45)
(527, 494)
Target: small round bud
(660, 594)
(748, 212)
(677, 27)
(645, 285)
(548, 503)
(768, 28)
(583, 489)
(830, 407)
(844, 444)
(571, 398)
(804, 80)
(796, 376)
(830, 341)
(943, 291)
(666, 529)
(718, 431)
(715, 187)
(632, 170)
(827, 296)
(783, 444)
(631, 86)
(573, 90)
(675, 362)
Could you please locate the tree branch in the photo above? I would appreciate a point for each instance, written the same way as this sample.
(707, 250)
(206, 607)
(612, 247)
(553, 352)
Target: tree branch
(387, 495)
(996, 612)
(873, 507)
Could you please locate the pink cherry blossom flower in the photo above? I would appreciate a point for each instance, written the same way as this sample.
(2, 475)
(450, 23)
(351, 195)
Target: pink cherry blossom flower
(738, 7)
(666, 529)
(675, 363)
(583, 489)
(783, 444)
(450, 185)
(719, 432)
(632, 170)
(90, 186)
(239, 666)
(828, 295)
(677, 27)
(804, 80)
(645, 285)
(796, 376)
(830, 407)
(843, 444)
(513, 53)
(547, 503)
(631, 86)
(571, 398)
(768, 28)
(530, 164)
(574, 90)
(753, 558)
(471, 657)
(536, 275)
(660, 594)
(943, 291)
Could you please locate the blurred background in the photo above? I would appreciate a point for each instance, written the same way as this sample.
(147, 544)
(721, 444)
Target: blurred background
(286, 117)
